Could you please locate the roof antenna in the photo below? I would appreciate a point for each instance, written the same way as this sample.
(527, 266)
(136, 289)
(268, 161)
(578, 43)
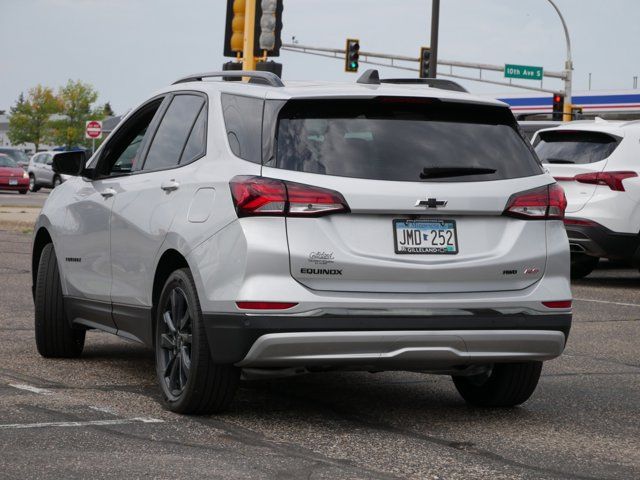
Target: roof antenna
(370, 77)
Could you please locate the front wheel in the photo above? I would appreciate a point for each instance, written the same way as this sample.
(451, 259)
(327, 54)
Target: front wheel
(582, 265)
(32, 184)
(55, 336)
(191, 383)
(505, 385)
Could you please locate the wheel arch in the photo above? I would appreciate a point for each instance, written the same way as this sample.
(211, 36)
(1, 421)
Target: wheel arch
(170, 260)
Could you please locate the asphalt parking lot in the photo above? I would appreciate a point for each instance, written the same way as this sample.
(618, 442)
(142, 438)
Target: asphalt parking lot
(99, 416)
(14, 199)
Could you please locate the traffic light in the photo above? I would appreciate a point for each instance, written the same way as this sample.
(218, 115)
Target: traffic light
(425, 58)
(351, 55)
(268, 27)
(558, 106)
(234, 30)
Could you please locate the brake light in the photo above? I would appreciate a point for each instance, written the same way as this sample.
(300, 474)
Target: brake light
(558, 304)
(613, 180)
(543, 203)
(255, 196)
(265, 305)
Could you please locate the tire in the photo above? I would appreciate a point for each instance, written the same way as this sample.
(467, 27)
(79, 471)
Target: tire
(582, 265)
(55, 336)
(508, 385)
(56, 182)
(23, 192)
(190, 382)
(32, 184)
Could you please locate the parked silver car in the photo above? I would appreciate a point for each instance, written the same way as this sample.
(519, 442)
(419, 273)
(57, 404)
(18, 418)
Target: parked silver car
(41, 173)
(275, 229)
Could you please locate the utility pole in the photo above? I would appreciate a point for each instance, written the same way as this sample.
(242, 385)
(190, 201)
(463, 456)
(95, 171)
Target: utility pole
(435, 21)
(248, 60)
(568, 67)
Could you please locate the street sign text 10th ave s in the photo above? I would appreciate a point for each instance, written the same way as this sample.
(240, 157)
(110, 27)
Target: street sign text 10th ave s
(523, 71)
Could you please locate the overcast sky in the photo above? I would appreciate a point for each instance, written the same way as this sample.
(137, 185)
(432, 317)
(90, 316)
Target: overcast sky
(129, 48)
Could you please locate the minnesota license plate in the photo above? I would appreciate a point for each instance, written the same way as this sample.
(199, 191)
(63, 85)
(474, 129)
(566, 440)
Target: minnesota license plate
(425, 236)
(13, 182)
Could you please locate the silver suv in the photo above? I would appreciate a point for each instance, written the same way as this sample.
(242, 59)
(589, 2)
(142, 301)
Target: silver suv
(41, 172)
(270, 229)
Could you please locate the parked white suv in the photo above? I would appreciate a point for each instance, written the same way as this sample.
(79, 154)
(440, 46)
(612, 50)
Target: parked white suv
(273, 229)
(597, 164)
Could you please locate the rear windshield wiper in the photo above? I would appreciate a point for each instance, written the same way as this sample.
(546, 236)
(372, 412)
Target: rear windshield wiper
(558, 160)
(441, 172)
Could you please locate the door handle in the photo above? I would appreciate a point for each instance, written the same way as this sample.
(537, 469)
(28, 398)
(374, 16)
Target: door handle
(169, 186)
(108, 192)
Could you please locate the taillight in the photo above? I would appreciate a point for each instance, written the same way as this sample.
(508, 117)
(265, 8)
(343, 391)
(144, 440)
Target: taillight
(254, 196)
(613, 180)
(543, 203)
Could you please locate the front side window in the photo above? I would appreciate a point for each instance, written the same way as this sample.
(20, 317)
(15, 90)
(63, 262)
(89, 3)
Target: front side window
(574, 147)
(171, 136)
(402, 139)
(122, 153)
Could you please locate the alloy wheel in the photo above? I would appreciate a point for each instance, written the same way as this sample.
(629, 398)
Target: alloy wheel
(175, 342)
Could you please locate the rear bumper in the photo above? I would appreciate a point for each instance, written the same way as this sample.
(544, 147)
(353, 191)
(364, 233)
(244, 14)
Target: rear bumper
(598, 241)
(23, 184)
(394, 342)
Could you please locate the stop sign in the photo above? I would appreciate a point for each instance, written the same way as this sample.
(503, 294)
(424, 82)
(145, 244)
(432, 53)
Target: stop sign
(93, 129)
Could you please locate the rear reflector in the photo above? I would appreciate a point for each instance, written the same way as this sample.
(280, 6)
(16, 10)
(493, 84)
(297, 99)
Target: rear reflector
(613, 180)
(558, 304)
(580, 222)
(265, 305)
(261, 196)
(543, 203)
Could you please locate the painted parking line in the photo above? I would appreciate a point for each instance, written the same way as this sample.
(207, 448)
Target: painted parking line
(89, 423)
(30, 388)
(608, 302)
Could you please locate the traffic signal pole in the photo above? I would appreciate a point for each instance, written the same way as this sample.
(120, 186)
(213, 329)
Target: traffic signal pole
(435, 22)
(248, 60)
(568, 68)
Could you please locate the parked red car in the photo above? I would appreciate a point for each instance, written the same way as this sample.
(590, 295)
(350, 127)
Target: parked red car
(12, 176)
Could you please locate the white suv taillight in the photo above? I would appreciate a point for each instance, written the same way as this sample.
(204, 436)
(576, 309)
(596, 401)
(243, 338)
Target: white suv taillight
(543, 203)
(255, 196)
(613, 180)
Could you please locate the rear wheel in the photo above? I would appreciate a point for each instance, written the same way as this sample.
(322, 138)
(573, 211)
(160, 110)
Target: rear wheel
(55, 336)
(505, 385)
(191, 383)
(32, 184)
(23, 192)
(582, 265)
(56, 182)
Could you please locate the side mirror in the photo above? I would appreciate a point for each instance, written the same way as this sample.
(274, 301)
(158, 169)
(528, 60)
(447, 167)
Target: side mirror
(69, 163)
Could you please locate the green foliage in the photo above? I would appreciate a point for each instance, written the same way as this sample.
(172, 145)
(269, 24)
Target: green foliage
(76, 99)
(29, 118)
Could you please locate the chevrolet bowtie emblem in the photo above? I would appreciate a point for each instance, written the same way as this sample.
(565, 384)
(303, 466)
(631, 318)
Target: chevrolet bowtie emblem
(431, 203)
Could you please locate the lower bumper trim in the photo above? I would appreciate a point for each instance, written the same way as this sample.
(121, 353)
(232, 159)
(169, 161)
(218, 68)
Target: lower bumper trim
(442, 349)
(232, 335)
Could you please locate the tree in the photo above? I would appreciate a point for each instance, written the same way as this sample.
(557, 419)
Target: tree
(76, 99)
(28, 119)
(107, 111)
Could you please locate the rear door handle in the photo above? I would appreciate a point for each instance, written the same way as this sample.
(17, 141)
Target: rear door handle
(169, 186)
(108, 192)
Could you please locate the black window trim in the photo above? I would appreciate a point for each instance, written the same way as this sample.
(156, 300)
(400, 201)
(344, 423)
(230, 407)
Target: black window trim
(165, 107)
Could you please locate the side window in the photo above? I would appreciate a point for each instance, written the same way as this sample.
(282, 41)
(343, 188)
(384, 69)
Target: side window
(37, 158)
(47, 159)
(171, 136)
(122, 153)
(243, 121)
(197, 141)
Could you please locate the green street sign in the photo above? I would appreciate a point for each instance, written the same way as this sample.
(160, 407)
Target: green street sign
(523, 71)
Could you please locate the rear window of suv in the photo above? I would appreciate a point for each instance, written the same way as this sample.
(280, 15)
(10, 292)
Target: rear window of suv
(574, 147)
(401, 139)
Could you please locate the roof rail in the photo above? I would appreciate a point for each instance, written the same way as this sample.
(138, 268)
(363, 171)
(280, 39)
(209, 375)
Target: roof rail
(371, 77)
(266, 78)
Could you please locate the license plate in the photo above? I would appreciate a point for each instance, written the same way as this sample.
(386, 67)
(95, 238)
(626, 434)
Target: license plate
(432, 236)
(13, 182)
